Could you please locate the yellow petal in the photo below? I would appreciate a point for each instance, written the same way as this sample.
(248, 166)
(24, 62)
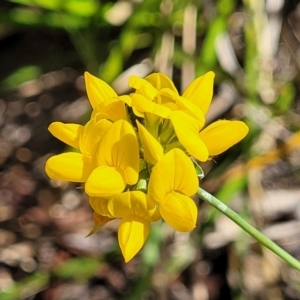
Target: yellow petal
(143, 87)
(160, 81)
(200, 91)
(91, 134)
(191, 109)
(187, 131)
(69, 166)
(179, 211)
(168, 98)
(153, 150)
(152, 120)
(180, 103)
(185, 176)
(120, 205)
(174, 172)
(132, 203)
(112, 109)
(67, 133)
(137, 113)
(105, 182)
(126, 99)
(142, 105)
(97, 90)
(118, 148)
(223, 134)
(100, 206)
(154, 215)
(132, 234)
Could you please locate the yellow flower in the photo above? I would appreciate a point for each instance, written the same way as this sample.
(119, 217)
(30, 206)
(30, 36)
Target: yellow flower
(187, 114)
(156, 98)
(149, 103)
(74, 166)
(119, 167)
(157, 94)
(136, 213)
(173, 180)
(116, 161)
(151, 85)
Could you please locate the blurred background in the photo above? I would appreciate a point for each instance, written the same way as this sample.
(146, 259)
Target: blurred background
(252, 46)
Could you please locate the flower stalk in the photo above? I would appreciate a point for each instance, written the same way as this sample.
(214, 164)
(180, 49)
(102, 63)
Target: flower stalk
(261, 238)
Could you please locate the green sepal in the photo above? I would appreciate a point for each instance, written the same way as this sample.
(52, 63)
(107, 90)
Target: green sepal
(199, 170)
(142, 184)
(95, 229)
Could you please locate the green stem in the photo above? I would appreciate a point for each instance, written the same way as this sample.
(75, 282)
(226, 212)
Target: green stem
(216, 203)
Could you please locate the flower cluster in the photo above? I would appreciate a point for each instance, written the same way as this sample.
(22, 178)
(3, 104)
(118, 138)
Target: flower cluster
(134, 154)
